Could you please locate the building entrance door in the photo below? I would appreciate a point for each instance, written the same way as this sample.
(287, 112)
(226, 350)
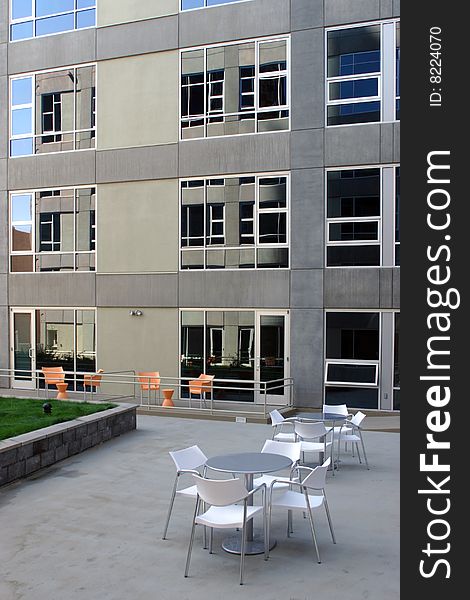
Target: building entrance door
(22, 345)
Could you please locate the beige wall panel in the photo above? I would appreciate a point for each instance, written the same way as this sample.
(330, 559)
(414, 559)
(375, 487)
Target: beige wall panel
(138, 227)
(111, 12)
(146, 343)
(138, 101)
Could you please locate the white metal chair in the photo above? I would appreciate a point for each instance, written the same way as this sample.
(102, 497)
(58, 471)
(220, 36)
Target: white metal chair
(306, 432)
(187, 461)
(221, 496)
(290, 449)
(303, 501)
(338, 409)
(353, 435)
(278, 422)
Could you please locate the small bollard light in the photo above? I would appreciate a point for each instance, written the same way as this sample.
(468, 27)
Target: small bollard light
(47, 408)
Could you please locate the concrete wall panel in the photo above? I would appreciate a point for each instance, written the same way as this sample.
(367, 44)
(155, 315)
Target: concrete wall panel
(146, 343)
(110, 12)
(234, 22)
(52, 289)
(386, 288)
(308, 91)
(4, 117)
(133, 164)
(307, 219)
(396, 8)
(3, 58)
(396, 288)
(51, 170)
(52, 51)
(4, 21)
(306, 288)
(138, 101)
(237, 154)
(352, 145)
(137, 38)
(352, 288)
(138, 227)
(3, 237)
(137, 290)
(307, 148)
(306, 14)
(3, 174)
(3, 290)
(307, 356)
(339, 12)
(396, 142)
(247, 289)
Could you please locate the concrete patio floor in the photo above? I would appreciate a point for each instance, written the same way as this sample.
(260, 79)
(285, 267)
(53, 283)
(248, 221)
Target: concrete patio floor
(90, 527)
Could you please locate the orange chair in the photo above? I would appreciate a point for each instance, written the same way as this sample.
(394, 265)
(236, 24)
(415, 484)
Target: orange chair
(52, 376)
(92, 381)
(201, 386)
(149, 381)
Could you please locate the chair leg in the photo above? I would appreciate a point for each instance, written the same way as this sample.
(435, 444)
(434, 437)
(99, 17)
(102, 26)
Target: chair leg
(170, 509)
(358, 453)
(211, 539)
(265, 522)
(328, 516)
(242, 557)
(191, 539)
(364, 451)
(314, 537)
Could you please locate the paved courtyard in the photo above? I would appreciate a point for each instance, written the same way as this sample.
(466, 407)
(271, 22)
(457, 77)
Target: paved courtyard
(90, 528)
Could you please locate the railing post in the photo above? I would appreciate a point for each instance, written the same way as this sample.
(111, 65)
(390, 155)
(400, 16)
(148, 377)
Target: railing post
(265, 396)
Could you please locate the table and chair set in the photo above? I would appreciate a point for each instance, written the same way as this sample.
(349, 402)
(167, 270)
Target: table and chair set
(252, 487)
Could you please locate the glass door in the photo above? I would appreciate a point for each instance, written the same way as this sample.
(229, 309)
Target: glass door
(23, 359)
(272, 356)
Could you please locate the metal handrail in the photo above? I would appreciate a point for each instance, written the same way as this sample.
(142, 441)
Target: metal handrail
(131, 378)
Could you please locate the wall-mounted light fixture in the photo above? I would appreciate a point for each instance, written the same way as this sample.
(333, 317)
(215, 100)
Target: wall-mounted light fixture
(135, 313)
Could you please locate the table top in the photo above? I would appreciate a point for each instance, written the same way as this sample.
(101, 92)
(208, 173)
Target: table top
(249, 462)
(321, 416)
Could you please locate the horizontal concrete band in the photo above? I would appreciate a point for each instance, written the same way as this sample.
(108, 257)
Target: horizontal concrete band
(24, 454)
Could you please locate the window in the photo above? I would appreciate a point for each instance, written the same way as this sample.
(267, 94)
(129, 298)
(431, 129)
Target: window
(66, 338)
(235, 223)
(363, 73)
(34, 18)
(190, 4)
(352, 359)
(235, 89)
(396, 363)
(362, 226)
(53, 111)
(53, 230)
(219, 343)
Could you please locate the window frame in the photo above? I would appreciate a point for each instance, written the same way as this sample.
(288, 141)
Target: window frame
(33, 135)
(222, 3)
(34, 18)
(256, 109)
(381, 75)
(381, 219)
(35, 253)
(256, 245)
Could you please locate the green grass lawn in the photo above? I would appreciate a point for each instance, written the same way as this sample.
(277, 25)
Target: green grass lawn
(18, 415)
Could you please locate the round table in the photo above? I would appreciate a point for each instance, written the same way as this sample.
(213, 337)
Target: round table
(333, 418)
(248, 464)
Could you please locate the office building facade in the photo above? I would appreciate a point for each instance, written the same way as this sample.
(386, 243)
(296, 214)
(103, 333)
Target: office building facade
(203, 186)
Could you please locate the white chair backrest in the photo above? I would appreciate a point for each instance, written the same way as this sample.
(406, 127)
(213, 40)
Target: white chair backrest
(189, 458)
(276, 418)
(290, 449)
(339, 409)
(220, 492)
(309, 431)
(316, 480)
(358, 418)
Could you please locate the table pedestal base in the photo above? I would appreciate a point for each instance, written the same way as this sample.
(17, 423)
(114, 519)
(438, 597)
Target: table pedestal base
(233, 544)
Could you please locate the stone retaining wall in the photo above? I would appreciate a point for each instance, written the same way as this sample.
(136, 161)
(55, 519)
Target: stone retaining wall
(25, 454)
